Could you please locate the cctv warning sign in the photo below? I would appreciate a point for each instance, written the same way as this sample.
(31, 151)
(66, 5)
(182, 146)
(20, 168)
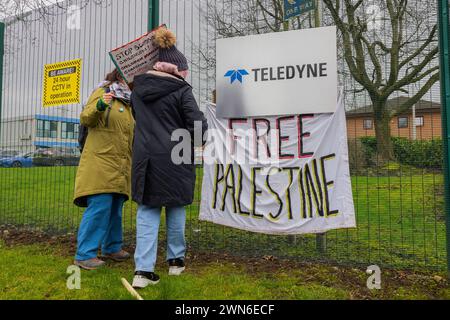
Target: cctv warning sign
(62, 83)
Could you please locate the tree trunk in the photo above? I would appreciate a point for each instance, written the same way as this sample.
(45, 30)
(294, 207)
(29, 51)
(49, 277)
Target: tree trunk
(382, 121)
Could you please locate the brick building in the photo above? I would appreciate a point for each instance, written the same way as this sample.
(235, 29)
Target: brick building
(427, 125)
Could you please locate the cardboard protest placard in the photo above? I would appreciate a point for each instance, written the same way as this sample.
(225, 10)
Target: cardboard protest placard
(136, 57)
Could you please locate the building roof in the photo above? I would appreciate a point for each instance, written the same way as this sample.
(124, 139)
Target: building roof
(56, 118)
(421, 106)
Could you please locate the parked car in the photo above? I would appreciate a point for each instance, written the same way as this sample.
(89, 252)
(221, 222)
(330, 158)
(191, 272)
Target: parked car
(8, 154)
(20, 161)
(56, 157)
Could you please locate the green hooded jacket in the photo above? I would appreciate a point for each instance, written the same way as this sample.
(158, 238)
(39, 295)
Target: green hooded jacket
(105, 164)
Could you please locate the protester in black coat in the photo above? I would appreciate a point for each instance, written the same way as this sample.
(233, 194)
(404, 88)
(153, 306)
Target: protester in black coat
(163, 103)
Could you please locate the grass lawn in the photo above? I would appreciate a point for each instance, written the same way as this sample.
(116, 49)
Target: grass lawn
(38, 271)
(400, 219)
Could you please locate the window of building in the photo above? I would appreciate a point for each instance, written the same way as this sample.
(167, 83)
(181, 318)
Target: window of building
(419, 121)
(24, 124)
(47, 129)
(69, 130)
(402, 122)
(368, 124)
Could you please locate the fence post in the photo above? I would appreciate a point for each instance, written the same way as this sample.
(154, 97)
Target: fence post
(321, 243)
(153, 14)
(321, 240)
(444, 45)
(2, 53)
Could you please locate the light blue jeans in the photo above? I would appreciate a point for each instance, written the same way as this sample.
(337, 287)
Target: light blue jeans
(101, 225)
(148, 220)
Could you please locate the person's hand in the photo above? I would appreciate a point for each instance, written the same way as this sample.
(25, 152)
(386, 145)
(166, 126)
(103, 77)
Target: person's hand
(107, 98)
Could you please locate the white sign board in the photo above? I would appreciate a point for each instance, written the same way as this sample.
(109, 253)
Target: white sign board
(271, 74)
(278, 175)
(136, 57)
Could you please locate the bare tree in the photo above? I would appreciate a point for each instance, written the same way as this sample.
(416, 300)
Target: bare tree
(390, 60)
(231, 18)
(28, 11)
(409, 48)
(20, 10)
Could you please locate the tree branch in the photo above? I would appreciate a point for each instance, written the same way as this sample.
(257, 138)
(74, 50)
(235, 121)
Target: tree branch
(416, 98)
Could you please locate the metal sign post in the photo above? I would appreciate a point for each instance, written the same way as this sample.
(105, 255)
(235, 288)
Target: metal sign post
(2, 52)
(153, 14)
(444, 43)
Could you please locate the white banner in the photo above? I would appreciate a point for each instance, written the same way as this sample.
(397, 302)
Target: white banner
(278, 175)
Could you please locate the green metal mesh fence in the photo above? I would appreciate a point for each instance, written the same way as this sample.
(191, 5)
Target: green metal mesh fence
(388, 67)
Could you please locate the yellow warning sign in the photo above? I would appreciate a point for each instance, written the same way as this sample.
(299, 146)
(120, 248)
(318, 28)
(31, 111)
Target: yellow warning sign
(62, 83)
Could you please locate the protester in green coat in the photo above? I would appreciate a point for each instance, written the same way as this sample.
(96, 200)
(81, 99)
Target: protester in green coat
(103, 181)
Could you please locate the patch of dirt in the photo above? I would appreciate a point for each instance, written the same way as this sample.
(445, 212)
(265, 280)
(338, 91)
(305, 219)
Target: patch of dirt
(344, 277)
(13, 236)
(352, 279)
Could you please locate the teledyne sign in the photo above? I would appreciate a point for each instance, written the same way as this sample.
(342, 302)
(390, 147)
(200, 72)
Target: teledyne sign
(293, 72)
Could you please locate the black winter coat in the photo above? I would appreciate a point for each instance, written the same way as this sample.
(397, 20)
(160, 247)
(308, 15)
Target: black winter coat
(162, 104)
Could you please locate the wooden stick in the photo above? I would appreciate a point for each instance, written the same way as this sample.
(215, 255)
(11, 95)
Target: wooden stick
(131, 290)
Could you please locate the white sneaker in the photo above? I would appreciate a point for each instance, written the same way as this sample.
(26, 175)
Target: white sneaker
(176, 267)
(176, 271)
(143, 279)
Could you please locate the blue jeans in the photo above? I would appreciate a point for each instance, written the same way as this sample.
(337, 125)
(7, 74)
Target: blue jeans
(148, 220)
(101, 225)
